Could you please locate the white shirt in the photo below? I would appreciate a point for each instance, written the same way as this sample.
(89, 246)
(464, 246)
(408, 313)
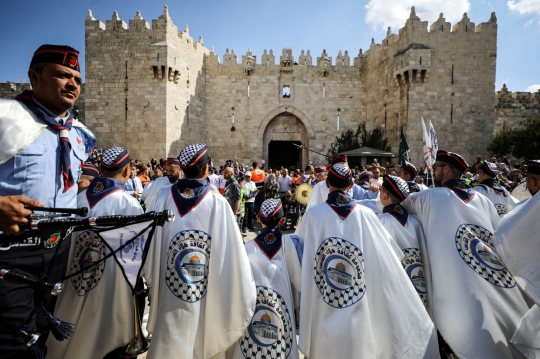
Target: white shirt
(285, 183)
(251, 188)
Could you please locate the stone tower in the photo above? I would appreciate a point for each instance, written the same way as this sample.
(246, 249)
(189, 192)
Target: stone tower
(156, 90)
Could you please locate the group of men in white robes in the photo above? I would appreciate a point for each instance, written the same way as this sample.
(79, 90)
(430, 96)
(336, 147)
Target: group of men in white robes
(422, 279)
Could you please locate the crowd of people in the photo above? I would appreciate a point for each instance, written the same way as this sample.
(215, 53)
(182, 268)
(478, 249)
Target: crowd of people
(378, 262)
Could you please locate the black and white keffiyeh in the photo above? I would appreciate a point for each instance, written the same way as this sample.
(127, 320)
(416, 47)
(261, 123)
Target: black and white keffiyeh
(396, 186)
(193, 155)
(410, 168)
(114, 158)
(340, 171)
(271, 208)
(490, 168)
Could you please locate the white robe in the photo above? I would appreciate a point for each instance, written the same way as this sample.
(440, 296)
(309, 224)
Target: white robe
(102, 313)
(381, 316)
(474, 300)
(503, 203)
(153, 190)
(321, 191)
(273, 278)
(408, 239)
(215, 308)
(518, 242)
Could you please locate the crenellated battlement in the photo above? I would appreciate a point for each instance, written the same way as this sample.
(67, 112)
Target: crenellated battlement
(512, 107)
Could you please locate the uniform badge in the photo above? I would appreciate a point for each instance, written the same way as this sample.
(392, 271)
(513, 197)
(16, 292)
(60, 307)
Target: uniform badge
(339, 272)
(412, 263)
(270, 238)
(99, 187)
(188, 257)
(474, 244)
(72, 61)
(343, 200)
(79, 141)
(398, 209)
(270, 330)
(87, 258)
(52, 241)
(188, 193)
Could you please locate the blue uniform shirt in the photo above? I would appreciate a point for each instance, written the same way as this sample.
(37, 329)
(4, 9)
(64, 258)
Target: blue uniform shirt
(35, 171)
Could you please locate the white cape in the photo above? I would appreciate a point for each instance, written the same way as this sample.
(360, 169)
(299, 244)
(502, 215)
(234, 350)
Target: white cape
(518, 242)
(150, 192)
(202, 288)
(99, 303)
(273, 278)
(474, 300)
(503, 203)
(357, 301)
(408, 239)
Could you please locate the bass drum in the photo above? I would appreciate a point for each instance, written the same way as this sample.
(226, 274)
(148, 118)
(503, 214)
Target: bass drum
(521, 192)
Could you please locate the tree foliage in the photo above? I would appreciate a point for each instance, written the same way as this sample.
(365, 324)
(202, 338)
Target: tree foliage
(521, 142)
(350, 140)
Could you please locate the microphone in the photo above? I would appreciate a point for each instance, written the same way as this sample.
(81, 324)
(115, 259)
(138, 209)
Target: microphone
(10, 276)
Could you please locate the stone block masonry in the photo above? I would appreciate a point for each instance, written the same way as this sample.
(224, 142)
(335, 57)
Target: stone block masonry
(153, 89)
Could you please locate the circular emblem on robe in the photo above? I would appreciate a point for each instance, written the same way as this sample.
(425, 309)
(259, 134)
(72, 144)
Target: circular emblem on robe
(187, 265)
(343, 200)
(270, 238)
(475, 245)
(339, 272)
(52, 241)
(501, 209)
(98, 187)
(89, 249)
(412, 263)
(269, 334)
(188, 193)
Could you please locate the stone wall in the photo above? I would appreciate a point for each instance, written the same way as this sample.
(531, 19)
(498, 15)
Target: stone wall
(12, 89)
(512, 107)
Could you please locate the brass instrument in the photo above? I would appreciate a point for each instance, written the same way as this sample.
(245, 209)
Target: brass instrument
(139, 344)
(303, 192)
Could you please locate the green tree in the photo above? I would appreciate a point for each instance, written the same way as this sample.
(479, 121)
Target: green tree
(350, 140)
(520, 142)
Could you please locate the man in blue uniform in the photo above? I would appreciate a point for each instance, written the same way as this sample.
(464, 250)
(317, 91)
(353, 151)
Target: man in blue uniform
(40, 160)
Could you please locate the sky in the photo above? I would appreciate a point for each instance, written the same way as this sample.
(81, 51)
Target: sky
(274, 24)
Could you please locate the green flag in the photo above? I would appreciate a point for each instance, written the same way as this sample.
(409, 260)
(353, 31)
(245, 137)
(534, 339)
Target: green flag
(403, 148)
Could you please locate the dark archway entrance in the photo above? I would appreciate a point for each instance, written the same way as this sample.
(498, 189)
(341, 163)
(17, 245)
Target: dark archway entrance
(284, 153)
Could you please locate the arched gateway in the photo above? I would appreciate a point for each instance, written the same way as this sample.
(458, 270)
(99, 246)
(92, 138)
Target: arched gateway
(284, 128)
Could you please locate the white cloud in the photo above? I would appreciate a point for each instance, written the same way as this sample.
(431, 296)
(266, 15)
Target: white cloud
(394, 13)
(524, 7)
(533, 88)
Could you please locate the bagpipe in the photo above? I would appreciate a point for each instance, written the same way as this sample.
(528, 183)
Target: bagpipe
(127, 239)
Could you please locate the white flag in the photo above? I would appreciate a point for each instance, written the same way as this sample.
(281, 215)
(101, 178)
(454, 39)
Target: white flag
(426, 148)
(434, 142)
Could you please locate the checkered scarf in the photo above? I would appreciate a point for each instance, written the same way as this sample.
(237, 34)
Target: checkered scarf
(27, 98)
(271, 208)
(396, 186)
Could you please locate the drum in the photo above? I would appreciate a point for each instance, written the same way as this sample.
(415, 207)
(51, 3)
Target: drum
(521, 192)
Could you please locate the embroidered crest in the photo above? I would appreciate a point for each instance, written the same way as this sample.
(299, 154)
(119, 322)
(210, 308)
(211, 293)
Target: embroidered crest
(79, 141)
(475, 246)
(412, 263)
(339, 272)
(72, 61)
(269, 334)
(343, 200)
(188, 257)
(98, 187)
(89, 249)
(188, 193)
(461, 187)
(270, 238)
(52, 241)
(398, 209)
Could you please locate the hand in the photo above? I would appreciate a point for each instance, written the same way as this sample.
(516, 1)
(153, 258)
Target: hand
(136, 194)
(13, 213)
(374, 188)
